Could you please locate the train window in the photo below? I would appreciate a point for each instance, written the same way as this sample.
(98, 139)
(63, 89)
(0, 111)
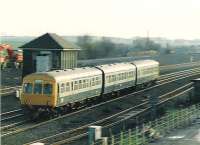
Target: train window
(62, 88)
(28, 87)
(123, 76)
(129, 74)
(47, 90)
(38, 88)
(92, 82)
(67, 89)
(119, 77)
(107, 79)
(139, 73)
(80, 84)
(72, 85)
(96, 80)
(113, 78)
(99, 81)
(76, 85)
(84, 83)
(87, 83)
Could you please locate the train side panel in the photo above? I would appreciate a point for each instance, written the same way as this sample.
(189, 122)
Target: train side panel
(79, 90)
(147, 71)
(118, 76)
(79, 85)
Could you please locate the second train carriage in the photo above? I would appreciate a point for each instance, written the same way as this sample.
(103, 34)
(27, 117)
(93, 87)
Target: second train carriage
(61, 87)
(118, 76)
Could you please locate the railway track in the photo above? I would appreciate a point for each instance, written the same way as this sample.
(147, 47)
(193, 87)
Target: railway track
(12, 119)
(77, 133)
(71, 131)
(174, 75)
(11, 114)
(181, 65)
(8, 90)
(13, 127)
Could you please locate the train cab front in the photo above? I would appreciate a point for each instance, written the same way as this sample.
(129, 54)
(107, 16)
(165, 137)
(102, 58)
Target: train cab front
(37, 94)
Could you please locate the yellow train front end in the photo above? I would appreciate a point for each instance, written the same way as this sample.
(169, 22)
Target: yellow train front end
(39, 92)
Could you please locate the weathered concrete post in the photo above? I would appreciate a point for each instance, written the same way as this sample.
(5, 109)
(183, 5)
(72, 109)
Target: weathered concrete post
(95, 133)
(196, 93)
(104, 141)
(153, 100)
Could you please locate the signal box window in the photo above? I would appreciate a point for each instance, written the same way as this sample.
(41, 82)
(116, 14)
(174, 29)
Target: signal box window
(47, 90)
(28, 87)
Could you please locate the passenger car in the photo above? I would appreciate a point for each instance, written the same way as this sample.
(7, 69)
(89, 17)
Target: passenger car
(61, 89)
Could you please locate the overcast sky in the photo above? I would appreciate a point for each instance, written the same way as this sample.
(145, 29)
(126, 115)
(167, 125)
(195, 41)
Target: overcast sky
(118, 18)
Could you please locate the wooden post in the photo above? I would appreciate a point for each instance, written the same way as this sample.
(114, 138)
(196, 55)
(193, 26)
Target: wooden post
(153, 100)
(121, 138)
(143, 134)
(129, 137)
(136, 135)
(104, 141)
(112, 140)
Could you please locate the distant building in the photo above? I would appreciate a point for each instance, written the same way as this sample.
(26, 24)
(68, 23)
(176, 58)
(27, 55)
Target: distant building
(48, 52)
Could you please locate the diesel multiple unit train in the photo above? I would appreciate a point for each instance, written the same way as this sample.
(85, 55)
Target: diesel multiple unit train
(58, 89)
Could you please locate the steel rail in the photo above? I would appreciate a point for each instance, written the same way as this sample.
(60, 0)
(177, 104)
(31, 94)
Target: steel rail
(117, 114)
(10, 112)
(108, 124)
(95, 106)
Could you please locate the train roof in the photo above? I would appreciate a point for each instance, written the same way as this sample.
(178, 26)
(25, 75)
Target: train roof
(68, 74)
(76, 73)
(140, 63)
(109, 68)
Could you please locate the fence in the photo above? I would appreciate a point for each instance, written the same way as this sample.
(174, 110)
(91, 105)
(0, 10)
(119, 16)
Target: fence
(153, 130)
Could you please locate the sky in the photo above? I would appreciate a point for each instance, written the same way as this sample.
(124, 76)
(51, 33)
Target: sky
(117, 18)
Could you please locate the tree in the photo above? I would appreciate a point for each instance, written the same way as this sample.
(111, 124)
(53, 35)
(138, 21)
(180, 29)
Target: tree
(144, 44)
(105, 48)
(85, 42)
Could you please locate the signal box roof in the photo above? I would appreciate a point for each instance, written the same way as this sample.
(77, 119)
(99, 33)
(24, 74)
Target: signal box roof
(50, 41)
